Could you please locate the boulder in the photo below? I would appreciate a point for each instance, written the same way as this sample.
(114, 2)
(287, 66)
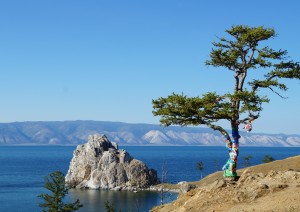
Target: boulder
(99, 164)
(186, 187)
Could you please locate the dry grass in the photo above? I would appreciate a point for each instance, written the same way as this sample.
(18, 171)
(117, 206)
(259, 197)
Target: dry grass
(287, 199)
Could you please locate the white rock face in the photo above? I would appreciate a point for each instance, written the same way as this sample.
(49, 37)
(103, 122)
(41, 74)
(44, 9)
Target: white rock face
(99, 164)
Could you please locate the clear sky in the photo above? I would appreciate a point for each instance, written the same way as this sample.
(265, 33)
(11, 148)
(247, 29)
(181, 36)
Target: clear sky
(106, 60)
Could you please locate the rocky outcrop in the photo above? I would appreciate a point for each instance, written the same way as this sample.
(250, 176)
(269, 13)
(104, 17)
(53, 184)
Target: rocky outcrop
(99, 164)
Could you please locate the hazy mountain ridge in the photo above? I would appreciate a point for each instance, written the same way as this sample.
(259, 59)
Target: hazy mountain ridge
(76, 132)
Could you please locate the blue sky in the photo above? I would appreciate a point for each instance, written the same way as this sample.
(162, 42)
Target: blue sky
(106, 60)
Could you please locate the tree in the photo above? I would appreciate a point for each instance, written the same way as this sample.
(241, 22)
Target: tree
(267, 159)
(200, 167)
(163, 190)
(55, 183)
(109, 207)
(247, 160)
(240, 53)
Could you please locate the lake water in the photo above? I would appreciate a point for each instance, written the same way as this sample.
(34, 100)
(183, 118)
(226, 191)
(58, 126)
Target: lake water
(23, 169)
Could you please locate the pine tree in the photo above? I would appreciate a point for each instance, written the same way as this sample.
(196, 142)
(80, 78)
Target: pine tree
(53, 202)
(239, 53)
(109, 207)
(247, 160)
(200, 168)
(268, 159)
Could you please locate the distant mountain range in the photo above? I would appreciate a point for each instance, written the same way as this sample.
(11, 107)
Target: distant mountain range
(77, 132)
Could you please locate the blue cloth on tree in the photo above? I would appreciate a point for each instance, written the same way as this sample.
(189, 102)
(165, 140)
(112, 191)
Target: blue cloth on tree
(235, 136)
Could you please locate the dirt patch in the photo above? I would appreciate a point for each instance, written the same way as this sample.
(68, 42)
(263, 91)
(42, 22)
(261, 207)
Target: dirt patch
(273, 186)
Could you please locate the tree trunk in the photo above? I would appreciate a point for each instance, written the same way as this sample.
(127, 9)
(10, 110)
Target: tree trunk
(233, 148)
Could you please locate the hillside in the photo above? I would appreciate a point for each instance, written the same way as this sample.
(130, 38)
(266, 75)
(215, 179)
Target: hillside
(76, 132)
(273, 186)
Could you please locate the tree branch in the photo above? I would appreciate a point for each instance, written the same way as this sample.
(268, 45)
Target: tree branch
(220, 129)
(277, 93)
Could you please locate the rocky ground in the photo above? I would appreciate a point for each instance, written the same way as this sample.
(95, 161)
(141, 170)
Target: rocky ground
(273, 186)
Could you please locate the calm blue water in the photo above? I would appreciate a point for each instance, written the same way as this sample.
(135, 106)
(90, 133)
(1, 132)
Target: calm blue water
(23, 169)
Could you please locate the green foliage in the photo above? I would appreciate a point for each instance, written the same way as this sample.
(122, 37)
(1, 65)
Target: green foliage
(53, 202)
(240, 53)
(267, 159)
(247, 159)
(200, 167)
(233, 53)
(182, 110)
(109, 207)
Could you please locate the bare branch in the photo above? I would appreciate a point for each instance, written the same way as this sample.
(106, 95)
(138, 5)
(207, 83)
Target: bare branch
(277, 93)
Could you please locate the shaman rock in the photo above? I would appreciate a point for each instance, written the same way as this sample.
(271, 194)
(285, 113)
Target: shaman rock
(99, 164)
